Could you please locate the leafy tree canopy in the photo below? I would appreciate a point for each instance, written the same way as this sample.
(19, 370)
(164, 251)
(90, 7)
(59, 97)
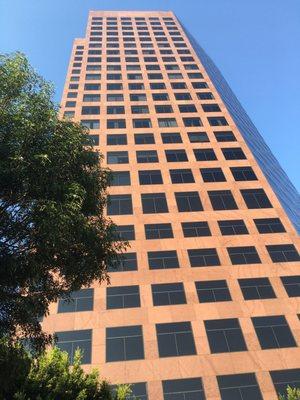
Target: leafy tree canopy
(54, 238)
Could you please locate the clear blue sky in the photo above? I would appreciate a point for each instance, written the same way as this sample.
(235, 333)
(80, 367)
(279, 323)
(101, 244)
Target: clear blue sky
(255, 43)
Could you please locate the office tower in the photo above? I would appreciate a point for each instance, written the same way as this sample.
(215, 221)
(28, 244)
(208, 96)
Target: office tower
(204, 304)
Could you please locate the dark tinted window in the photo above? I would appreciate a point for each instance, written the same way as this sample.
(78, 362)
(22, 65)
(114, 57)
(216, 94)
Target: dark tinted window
(256, 288)
(291, 285)
(217, 121)
(171, 138)
(168, 293)
(144, 138)
(283, 253)
(176, 155)
(192, 122)
(203, 257)
(222, 200)
(120, 178)
(154, 203)
(269, 225)
(256, 198)
(125, 232)
(243, 174)
(163, 259)
(195, 229)
(116, 124)
(181, 176)
(183, 389)
(284, 378)
(225, 136)
(117, 157)
(124, 343)
(198, 137)
(127, 262)
(69, 341)
(205, 154)
(188, 201)
(119, 204)
(158, 231)
(151, 177)
(123, 297)
(233, 153)
(243, 255)
(212, 175)
(115, 140)
(233, 227)
(175, 339)
(81, 300)
(239, 387)
(212, 291)
(147, 156)
(225, 335)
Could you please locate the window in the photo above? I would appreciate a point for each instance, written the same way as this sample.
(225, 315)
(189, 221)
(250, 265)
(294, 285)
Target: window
(69, 114)
(176, 155)
(284, 378)
(283, 252)
(163, 259)
(188, 201)
(138, 97)
(115, 110)
(256, 198)
(225, 335)
(222, 200)
(120, 178)
(183, 96)
(273, 332)
(204, 154)
(114, 86)
(154, 203)
(167, 122)
(93, 140)
(198, 137)
(163, 109)
(212, 175)
(117, 157)
(243, 255)
(183, 389)
(178, 85)
(233, 153)
(233, 227)
(92, 77)
(195, 229)
(158, 231)
(81, 300)
(210, 107)
(136, 86)
(291, 285)
(141, 123)
(126, 262)
(225, 136)
(90, 110)
(125, 232)
(151, 177)
(91, 97)
(199, 85)
(157, 86)
(147, 156)
(212, 291)
(205, 96)
(269, 225)
(181, 176)
(114, 97)
(144, 138)
(175, 339)
(217, 121)
(120, 204)
(187, 108)
(123, 297)
(69, 341)
(114, 140)
(256, 288)
(239, 387)
(171, 138)
(243, 174)
(124, 343)
(160, 96)
(139, 109)
(70, 104)
(168, 294)
(90, 123)
(138, 391)
(188, 122)
(203, 257)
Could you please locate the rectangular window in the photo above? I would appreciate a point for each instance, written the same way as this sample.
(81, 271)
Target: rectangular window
(225, 335)
(163, 259)
(256, 198)
(210, 107)
(69, 341)
(114, 97)
(125, 232)
(195, 229)
(114, 140)
(256, 288)
(115, 110)
(176, 155)
(123, 297)
(81, 300)
(273, 332)
(269, 225)
(138, 97)
(151, 177)
(225, 136)
(183, 389)
(120, 178)
(291, 285)
(139, 110)
(171, 138)
(167, 122)
(212, 291)
(204, 154)
(90, 110)
(181, 176)
(144, 138)
(126, 262)
(183, 96)
(147, 156)
(233, 227)
(188, 201)
(205, 96)
(141, 123)
(114, 86)
(116, 124)
(239, 387)
(222, 200)
(243, 174)
(198, 137)
(93, 140)
(158, 231)
(90, 123)
(168, 294)
(160, 96)
(91, 97)
(283, 253)
(188, 122)
(154, 203)
(117, 157)
(212, 175)
(120, 204)
(178, 85)
(175, 339)
(138, 391)
(163, 109)
(187, 108)
(217, 121)
(124, 343)
(284, 378)
(203, 257)
(233, 153)
(243, 255)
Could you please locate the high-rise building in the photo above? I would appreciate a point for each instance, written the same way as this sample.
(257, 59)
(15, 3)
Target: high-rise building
(205, 304)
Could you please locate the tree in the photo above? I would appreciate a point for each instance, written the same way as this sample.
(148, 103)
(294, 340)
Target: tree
(291, 394)
(49, 376)
(54, 238)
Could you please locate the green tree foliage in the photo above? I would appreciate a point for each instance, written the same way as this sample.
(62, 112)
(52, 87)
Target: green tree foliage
(50, 376)
(54, 238)
(291, 394)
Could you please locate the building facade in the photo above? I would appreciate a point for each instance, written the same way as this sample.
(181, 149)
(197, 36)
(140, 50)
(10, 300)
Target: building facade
(205, 304)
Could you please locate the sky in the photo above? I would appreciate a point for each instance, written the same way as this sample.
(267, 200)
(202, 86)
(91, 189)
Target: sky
(255, 44)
